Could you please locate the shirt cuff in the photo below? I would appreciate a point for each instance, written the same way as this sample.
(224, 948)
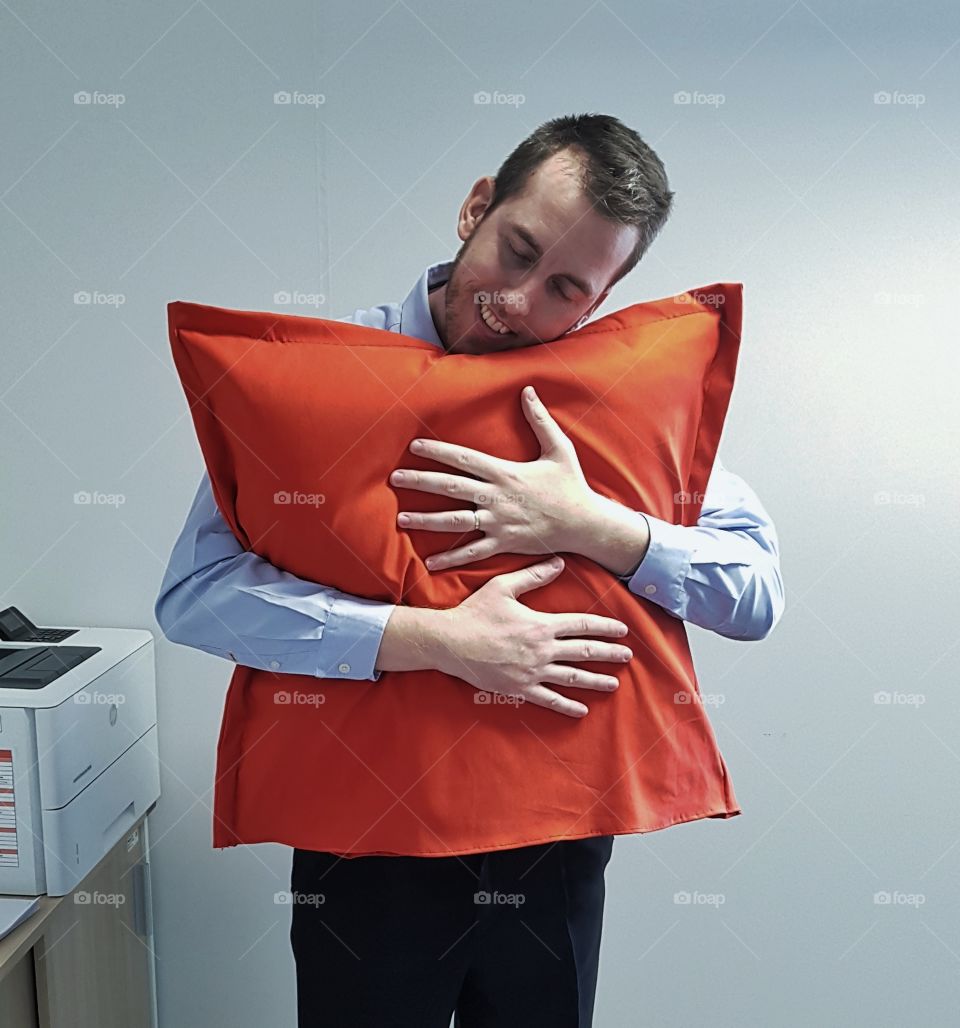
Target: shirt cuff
(663, 570)
(351, 638)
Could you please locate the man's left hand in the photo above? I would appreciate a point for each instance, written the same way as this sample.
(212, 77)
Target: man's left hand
(537, 506)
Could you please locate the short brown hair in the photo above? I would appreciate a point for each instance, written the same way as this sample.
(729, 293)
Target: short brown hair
(622, 174)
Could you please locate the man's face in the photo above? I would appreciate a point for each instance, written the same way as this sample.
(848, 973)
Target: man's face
(538, 264)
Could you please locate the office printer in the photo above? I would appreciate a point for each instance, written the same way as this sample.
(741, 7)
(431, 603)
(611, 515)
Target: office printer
(78, 753)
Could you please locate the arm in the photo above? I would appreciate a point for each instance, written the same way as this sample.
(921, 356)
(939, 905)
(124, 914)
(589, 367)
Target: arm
(722, 574)
(492, 641)
(220, 598)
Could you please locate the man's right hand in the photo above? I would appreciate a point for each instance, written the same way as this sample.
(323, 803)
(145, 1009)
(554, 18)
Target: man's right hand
(496, 643)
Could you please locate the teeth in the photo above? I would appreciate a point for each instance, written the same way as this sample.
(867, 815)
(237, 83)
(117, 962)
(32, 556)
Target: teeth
(490, 319)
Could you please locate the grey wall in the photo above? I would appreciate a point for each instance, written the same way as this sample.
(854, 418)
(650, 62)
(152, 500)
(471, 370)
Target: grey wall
(840, 216)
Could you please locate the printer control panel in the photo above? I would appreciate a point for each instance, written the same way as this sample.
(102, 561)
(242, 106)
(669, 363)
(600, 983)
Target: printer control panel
(15, 626)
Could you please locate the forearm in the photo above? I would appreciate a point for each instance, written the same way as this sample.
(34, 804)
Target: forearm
(413, 640)
(610, 534)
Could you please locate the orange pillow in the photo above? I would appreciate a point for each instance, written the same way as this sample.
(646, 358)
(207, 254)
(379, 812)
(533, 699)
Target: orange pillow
(416, 763)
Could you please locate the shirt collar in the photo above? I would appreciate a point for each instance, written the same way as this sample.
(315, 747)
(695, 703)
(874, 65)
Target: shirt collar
(416, 318)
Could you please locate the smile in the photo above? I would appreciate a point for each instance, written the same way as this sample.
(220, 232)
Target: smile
(490, 320)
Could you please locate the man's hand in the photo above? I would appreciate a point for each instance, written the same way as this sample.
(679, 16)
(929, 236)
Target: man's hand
(496, 643)
(524, 507)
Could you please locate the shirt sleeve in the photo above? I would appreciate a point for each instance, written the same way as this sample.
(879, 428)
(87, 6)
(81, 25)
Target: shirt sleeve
(217, 597)
(723, 573)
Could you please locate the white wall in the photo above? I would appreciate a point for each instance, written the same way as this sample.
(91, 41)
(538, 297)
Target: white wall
(826, 205)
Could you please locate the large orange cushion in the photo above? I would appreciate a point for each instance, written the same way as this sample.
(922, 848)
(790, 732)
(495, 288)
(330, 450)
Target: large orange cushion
(413, 763)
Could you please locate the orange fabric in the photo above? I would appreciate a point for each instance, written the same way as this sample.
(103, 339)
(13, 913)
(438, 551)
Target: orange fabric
(416, 763)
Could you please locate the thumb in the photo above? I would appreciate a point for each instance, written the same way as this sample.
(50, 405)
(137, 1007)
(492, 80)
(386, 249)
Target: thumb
(532, 577)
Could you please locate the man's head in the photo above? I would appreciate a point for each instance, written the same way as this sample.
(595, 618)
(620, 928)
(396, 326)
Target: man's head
(569, 213)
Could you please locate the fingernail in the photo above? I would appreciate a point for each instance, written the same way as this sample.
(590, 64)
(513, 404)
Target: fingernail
(403, 519)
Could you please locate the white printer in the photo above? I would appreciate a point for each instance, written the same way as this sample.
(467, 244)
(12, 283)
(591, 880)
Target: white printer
(78, 752)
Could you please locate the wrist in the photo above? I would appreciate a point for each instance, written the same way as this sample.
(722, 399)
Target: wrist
(612, 535)
(414, 639)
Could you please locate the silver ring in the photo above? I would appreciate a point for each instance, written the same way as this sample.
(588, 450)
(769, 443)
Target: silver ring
(476, 521)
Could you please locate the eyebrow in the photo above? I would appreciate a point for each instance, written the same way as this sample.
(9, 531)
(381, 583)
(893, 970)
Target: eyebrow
(537, 249)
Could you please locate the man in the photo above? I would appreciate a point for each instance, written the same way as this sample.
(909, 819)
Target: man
(403, 940)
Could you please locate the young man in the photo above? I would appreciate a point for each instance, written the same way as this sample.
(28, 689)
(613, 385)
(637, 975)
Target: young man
(402, 940)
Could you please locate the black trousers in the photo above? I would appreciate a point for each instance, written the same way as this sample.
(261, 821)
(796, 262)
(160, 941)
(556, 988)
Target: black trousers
(500, 939)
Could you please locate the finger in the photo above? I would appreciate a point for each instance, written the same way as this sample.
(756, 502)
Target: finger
(587, 624)
(549, 434)
(576, 650)
(532, 577)
(561, 674)
(541, 696)
(442, 521)
(482, 548)
(473, 462)
(444, 484)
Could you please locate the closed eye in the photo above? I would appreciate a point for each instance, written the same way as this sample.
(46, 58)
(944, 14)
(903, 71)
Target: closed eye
(527, 260)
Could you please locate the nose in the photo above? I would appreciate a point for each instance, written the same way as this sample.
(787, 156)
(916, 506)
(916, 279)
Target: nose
(515, 304)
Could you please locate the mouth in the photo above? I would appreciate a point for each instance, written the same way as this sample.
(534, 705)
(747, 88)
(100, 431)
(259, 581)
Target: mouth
(490, 326)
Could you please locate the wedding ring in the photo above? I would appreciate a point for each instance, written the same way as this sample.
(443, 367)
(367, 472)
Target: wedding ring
(476, 521)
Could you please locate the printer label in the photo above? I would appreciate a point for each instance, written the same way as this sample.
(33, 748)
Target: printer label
(9, 851)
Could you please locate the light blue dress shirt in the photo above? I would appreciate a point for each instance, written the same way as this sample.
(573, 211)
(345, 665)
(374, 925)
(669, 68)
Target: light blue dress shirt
(722, 574)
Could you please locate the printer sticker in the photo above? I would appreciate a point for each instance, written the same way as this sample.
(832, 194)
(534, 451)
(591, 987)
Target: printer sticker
(9, 850)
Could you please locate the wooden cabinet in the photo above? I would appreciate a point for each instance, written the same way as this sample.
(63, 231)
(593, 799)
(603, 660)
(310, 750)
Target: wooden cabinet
(86, 960)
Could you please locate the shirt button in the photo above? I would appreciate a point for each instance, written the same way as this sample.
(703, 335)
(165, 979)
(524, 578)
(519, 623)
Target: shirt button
(344, 668)
(274, 664)
(649, 589)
